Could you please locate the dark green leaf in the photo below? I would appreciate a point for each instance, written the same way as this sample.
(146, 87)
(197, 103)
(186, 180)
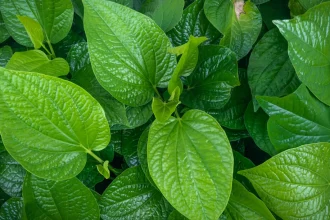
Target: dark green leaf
(63, 47)
(295, 183)
(4, 35)
(89, 176)
(273, 10)
(191, 162)
(5, 55)
(136, 49)
(235, 135)
(175, 215)
(12, 209)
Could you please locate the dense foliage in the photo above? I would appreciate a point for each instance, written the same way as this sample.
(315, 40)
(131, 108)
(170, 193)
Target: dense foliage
(165, 109)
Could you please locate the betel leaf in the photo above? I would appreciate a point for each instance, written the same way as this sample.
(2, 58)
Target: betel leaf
(68, 199)
(54, 16)
(56, 123)
(243, 32)
(191, 162)
(295, 183)
(242, 163)
(4, 35)
(309, 48)
(37, 61)
(5, 55)
(270, 72)
(235, 135)
(11, 175)
(12, 209)
(245, 205)
(210, 85)
(119, 116)
(298, 7)
(256, 124)
(131, 196)
(232, 114)
(128, 3)
(175, 215)
(104, 169)
(296, 119)
(33, 29)
(89, 176)
(274, 10)
(166, 13)
(193, 23)
(136, 49)
(259, 2)
(187, 63)
(63, 47)
(3, 197)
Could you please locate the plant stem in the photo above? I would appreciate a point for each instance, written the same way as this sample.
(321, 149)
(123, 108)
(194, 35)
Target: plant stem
(43, 46)
(112, 169)
(95, 156)
(51, 49)
(177, 113)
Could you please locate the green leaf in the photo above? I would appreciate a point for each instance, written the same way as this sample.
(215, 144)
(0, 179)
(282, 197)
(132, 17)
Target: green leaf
(4, 35)
(191, 162)
(166, 13)
(298, 7)
(187, 63)
(5, 54)
(33, 29)
(68, 199)
(3, 197)
(90, 176)
(175, 215)
(274, 10)
(128, 3)
(104, 169)
(242, 163)
(164, 110)
(235, 135)
(37, 61)
(296, 119)
(244, 205)
(210, 85)
(136, 51)
(256, 124)
(54, 16)
(119, 116)
(308, 51)
(232, 114)
(63, 47)
(12, 209)
(131, 196)
(270, 72)
(295, 183)
(193, 23)
(259, 2)
(243, 32)
(11, 175)
(52, 123)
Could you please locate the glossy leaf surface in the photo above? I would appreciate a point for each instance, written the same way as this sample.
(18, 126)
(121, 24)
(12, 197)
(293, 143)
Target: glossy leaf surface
(295, 183)
(191, 162)
(12, 209)
(56, 123)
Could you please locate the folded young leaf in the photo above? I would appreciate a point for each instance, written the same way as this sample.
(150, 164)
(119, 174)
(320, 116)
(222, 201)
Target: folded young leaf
(104, 169)
(309, 48)
(54, 16)
(245, 205)
(210, 85)
(270, 72)
(296, 119)
(295, 183)
(33, 29)
(128, 51)
(131, 196)
(68, 199)
(37, 61)
(11, 175)
(50, 122)
(191, 162)
(12, 209)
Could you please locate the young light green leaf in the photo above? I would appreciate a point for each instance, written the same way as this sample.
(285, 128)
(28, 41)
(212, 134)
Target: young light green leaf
(166, 13)
(308, 36)
(11, 175)
(104, 169)
(245, 205)
(270, 72)
(163, 110)
(187, 63)
(256, 124)
(68, 199)
(56, 123)
(12, 209)
(136, 51)
(131, 196)
(210, 85)
(296, 119)
(37, 61)
(5, 55)
(243, 32)
(193, 23)
(54, 16)
(232, 114)
(191, 162)
(295, 183)
(4, 35)
(33, 29)
(119, 116)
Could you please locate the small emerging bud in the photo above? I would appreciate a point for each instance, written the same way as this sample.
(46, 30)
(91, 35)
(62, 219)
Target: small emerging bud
(239, 7)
